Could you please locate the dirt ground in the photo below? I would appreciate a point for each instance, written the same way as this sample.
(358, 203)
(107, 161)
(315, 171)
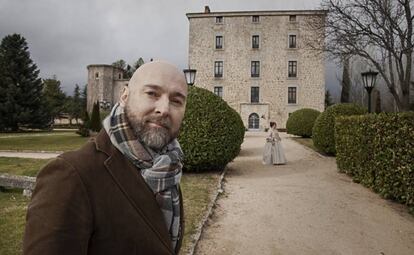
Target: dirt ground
(304, 207)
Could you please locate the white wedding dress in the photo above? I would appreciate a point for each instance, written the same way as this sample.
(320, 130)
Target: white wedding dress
(273, 153)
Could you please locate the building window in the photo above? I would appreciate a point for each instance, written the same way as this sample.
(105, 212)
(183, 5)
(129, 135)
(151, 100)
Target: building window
(292, 41)
(255, 70)
(292, 18)
(255, 41)
(218, 91)
(292, 69)
(254, 121)
(291, 95)
(219, 19)
(96, 75)
(219, 42)
(254, 94)
(119, 76)
(255, 19)
(218, 69)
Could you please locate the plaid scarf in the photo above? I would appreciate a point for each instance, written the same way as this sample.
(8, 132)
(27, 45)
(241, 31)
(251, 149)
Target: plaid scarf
(160, 170)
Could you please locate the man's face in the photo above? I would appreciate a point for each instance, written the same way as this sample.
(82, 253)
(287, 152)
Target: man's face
(155, 104)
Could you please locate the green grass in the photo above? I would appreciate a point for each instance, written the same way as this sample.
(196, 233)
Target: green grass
(55, 141)
(196, 188)
(13, 206)
(308, 142)
(197, 191)
(21, 166)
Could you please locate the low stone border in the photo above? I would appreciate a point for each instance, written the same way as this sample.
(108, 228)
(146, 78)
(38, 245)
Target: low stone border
(29, 151)
(17, 181)
(196, 237)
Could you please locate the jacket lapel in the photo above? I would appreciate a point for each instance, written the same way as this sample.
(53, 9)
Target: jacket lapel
(133, 186)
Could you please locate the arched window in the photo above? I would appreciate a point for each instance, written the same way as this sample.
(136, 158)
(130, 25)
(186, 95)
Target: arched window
(254, 121)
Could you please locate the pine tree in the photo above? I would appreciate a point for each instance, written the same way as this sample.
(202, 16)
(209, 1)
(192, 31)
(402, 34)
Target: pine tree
(346, 80)
(21, 101)
(75, 109)
(378, 107)
(54, 97)
(84, 98)
(328, 99)
(95, 124)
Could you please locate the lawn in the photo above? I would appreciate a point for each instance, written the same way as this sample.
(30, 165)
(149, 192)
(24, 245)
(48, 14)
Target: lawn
(197, 190)
(42, 141)
(308, 142)
(21, 166)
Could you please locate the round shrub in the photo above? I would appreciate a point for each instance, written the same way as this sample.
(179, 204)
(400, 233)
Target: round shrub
(301, 122)
(211, 133)
(323, 133)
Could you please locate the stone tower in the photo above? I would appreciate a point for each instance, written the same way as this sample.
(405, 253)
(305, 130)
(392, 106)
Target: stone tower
(105, 83)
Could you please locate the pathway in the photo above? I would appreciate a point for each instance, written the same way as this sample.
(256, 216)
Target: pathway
(41, 155)
(304, 207)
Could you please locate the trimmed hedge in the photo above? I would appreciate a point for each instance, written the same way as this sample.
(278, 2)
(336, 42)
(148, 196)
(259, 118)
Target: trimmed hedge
(301, 122)
(211, 133)
(323, 133)
(378, 151)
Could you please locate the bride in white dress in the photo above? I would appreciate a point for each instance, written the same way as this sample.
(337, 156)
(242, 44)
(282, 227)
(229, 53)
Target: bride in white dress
(273, 151)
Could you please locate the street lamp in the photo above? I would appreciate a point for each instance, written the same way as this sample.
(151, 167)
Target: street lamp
(368, 78)
(190, 76)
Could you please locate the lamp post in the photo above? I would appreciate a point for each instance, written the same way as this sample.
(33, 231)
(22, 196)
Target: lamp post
(369, 78)
(190, 76)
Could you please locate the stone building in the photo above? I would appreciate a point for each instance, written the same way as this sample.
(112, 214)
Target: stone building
(105, 83)
(258, 62)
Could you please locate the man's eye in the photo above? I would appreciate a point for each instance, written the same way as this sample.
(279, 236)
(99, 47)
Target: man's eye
(177, 102)
(151, 93)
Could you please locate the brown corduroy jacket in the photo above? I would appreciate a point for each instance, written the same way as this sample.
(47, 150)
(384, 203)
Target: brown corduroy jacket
(95, 201)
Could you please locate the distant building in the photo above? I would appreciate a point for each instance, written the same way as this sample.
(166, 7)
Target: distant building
(258, 63)
(105, 83)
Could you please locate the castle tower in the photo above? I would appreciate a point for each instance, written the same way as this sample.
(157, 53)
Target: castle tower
(105, 83)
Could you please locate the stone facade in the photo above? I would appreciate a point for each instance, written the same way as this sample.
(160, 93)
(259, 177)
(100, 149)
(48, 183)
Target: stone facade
(105, 83)
(237, 53)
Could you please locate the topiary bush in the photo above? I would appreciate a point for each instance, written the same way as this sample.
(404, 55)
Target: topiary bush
(323, 132)
(301, 122)
(211, 133)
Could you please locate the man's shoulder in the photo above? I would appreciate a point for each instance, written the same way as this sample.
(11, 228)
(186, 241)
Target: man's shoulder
(87, 155)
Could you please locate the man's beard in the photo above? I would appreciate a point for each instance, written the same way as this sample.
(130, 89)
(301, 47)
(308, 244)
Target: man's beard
(154, 137)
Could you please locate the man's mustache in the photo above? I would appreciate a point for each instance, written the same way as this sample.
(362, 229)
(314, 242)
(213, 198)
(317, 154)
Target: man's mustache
(164, 122)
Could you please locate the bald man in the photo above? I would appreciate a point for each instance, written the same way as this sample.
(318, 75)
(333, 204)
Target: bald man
(119, 193)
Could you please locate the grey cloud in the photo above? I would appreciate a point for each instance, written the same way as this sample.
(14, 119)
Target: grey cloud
(65, 36)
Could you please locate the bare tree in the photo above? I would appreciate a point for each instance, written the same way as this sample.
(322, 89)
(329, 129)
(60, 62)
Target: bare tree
(380, 31)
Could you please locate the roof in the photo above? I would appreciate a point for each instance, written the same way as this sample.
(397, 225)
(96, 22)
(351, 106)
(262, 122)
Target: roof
(254, 13)
(103, 65)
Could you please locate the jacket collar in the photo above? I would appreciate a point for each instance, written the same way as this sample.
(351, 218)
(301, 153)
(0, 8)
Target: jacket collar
(133, 186)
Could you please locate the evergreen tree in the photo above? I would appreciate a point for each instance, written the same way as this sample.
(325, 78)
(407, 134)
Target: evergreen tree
(54, 97)
(328, 99)
(378, 107)
(21, 101)
(75, 106)
(84, 98)
(346, 80)
(95, 124)
(68, 108)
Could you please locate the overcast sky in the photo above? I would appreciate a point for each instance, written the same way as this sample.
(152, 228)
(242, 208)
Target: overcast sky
(66, 36)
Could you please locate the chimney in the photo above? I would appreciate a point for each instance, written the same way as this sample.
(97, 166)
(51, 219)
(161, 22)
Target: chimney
(206, 9)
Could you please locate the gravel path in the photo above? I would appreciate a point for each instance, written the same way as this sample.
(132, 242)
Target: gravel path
(304, 207)
(41, 155)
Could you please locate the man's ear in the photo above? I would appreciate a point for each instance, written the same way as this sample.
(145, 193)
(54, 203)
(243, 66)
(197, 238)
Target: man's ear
(124, 96)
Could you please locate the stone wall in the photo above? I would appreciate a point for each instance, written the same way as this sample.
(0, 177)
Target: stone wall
(273, 29)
